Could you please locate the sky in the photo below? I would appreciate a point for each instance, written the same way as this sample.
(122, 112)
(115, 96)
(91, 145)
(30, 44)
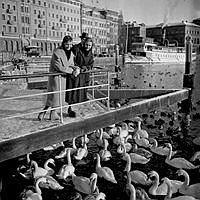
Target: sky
(152, 12)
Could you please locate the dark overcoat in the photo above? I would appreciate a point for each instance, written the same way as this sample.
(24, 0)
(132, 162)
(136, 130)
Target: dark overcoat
(59, 63)
(85, 63)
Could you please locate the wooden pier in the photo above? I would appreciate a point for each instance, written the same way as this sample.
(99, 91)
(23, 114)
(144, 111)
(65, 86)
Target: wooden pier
(24, 135)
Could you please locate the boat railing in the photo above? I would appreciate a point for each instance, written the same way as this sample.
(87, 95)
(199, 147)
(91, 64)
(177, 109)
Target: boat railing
(91, 87)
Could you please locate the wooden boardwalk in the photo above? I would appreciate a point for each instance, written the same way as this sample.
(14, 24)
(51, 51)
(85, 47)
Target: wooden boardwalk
(22, 135)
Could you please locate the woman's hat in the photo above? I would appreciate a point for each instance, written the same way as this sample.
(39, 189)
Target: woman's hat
(84, 35)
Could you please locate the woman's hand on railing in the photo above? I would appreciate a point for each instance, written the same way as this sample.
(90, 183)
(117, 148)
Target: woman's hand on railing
(76, 71)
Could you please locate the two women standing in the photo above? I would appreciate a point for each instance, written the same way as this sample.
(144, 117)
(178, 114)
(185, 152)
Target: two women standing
(64, 60)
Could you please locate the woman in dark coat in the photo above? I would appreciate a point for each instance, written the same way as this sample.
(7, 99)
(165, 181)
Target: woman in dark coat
(62, 61)
(84, 60)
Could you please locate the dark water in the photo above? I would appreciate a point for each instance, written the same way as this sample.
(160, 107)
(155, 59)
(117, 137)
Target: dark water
(146, 76)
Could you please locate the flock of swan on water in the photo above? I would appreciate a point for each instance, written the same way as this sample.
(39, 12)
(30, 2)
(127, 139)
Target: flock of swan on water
(134, 146)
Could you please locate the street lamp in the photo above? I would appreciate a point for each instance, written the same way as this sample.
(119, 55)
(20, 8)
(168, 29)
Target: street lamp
(126, 47)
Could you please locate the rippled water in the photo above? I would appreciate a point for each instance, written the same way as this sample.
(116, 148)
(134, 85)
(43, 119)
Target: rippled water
(146, 76)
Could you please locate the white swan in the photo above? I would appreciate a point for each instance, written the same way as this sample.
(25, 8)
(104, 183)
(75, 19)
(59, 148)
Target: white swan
(160, 150)
(33, 193)
(196, 156)
(142, 141)
(100, 142)
(46, 166)
(104, 172)
(81, 152)
(63, 153)
(124, 130)
(84, 184)
(180, 163)
(143, 133)
(38, 171)
(158, 188)
(96, 196)
(141, 151)
(67, 169)
(169, 192)
(186, 189)
(104, 153)
(124, 142)
(130, 188)
(136, 176)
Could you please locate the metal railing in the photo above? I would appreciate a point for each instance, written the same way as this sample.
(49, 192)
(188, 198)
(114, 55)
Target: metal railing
(94, 74)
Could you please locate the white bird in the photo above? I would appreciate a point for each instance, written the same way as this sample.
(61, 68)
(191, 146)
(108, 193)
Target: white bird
(196, 156)
(100, 142)
(169, 192)
(49, 169)
(143, 133)
(130, 188)
(160, 150)
(104, 172)
(63, 153)
(136, 176)
(38, 171)
(180, 163)
(84, 184)
(186, 189)
(81, 152)
(67, 169)
(105, 153)
(158, 188)
(33, 193)
(142, 141)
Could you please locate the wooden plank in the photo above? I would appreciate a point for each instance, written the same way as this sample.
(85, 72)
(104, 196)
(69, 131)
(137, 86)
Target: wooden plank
(35, 141)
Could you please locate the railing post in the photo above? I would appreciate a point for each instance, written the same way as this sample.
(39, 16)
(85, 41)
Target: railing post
(93, 85)
(60, 98)
(108, 100)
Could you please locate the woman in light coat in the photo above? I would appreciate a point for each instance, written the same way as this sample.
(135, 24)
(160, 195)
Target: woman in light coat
(62, 61)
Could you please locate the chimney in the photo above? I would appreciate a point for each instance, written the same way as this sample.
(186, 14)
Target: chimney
(163, 36)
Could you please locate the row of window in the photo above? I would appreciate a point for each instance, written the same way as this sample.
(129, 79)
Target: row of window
(25, 9)
(8, 6)
(14, 18)
(9, 29)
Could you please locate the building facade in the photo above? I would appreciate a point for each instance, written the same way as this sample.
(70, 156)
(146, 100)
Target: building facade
(38, 22)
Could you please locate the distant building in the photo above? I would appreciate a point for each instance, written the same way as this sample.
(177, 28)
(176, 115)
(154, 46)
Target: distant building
(175, 34)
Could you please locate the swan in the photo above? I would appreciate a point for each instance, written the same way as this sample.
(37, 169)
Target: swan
(160, 150)
(38, 171)
(186, 189)
(50, 170)
(53, 146)
(124, 130)
(104, 134)
(100, 142)
(67, 169)
(104, 153)
(130, 188)
(142, 141)
(63, 153)
(81, 152)
(135, 158)
(169, 192)
(86, 139)
(113, 131)
(130, 127)
(161, 188)
(104, 172)
(180, 163)
(118, 140)
(195, 156)
(33, 193)
(127, 145)
(143, 133)
(84, 184)
(96, 196)
(137, 176)
(141, 151)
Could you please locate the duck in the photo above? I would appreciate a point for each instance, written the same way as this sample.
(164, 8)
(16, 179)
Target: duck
(136, 176)
(142, 133)
(186, 189)
(141, 141)
(130, 188)
(180, 163)
(160, 150)
(82, 151)
(169, 192)
(104, 172)
(33, 193)
(158, 188)
(84, 184)
(50, 170)
(67, 169)
(104, 153)
(63, 153)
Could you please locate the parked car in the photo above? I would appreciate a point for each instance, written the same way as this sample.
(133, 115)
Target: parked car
(32, 51)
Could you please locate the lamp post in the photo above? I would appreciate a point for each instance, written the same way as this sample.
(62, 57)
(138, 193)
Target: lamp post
(126, 47)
